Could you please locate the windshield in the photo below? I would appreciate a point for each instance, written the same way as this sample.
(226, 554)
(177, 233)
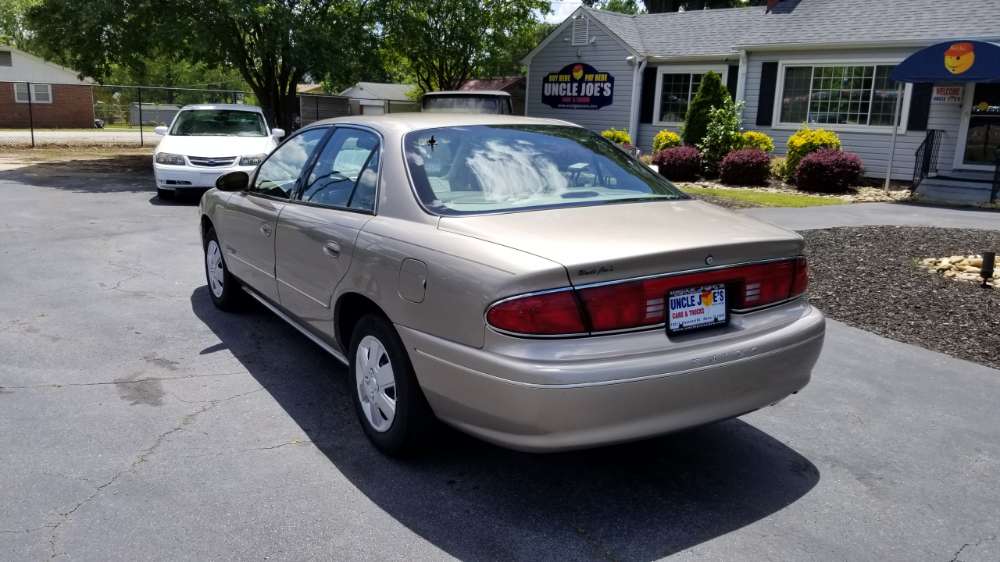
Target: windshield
(219, 122)
(497, 168)
(463, 104)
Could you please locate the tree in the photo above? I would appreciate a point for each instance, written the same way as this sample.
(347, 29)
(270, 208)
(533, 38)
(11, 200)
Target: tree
(12, 30)
(630, 7)
(443, 43)
(272, 44)
(711, 94)
(658, 6)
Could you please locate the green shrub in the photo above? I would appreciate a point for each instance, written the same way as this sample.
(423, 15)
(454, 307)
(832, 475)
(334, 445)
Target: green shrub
(779, 166)
(805, 141)
(617, 136)
(722, 135)
(758, 140)
(665, 139)
(711, 93)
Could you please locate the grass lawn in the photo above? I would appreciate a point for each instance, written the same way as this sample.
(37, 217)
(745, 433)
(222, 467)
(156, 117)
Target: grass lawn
(749, 197)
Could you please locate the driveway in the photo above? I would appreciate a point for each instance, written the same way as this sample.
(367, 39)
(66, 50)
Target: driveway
(872, 214)
(141, 423)
(95, 136)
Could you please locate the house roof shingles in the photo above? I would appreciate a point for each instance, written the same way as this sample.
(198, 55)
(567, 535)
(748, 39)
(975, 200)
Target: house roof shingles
(722, 31)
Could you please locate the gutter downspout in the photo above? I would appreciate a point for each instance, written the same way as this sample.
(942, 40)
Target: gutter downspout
(633, 125)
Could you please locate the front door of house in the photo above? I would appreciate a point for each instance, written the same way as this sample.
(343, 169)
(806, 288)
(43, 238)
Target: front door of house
(983, 136)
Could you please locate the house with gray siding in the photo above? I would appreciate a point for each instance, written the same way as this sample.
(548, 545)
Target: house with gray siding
(825, 63)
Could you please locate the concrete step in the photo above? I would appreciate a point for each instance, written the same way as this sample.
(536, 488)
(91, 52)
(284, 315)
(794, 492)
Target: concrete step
(969, 175)
(951, 191)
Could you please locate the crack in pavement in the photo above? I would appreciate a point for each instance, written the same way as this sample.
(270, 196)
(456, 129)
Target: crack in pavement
(118, 382)
(141, 457)
(958, 552)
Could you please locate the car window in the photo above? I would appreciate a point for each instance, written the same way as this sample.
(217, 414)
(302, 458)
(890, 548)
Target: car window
(500, 168)
(218, 122)
(279, 173)
(346, 171)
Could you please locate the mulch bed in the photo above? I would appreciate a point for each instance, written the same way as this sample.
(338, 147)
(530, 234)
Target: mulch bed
(868, 277)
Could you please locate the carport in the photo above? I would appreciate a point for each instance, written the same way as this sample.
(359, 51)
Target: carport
(969, 70)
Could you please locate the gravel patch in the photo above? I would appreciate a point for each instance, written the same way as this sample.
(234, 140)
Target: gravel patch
(869, 277)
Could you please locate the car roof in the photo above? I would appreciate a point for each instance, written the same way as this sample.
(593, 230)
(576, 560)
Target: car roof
(469, 93)
(405, 122)
(231, 106)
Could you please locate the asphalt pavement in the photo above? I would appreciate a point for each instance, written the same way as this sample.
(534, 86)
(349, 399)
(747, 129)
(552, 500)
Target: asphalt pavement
(138, 422)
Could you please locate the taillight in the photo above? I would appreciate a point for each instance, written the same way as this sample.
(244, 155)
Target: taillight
(640, 303)
(555, 313)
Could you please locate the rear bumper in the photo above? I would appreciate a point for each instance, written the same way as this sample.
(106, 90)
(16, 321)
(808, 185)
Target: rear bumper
(190, 177)
(489, 395)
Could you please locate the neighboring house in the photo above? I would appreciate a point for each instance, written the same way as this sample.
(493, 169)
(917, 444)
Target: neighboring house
(58, 97)
(376, 98)
(822, 62)
(513, 85)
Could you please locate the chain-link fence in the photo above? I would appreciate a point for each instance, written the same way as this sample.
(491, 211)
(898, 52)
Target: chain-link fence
(89, 114)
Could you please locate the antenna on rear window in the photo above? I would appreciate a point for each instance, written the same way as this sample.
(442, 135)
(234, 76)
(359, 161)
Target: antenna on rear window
(432, 142)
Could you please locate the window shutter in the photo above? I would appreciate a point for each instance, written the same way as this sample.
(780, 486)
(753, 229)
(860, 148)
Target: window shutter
(647, 95)
(732, 78)
(920, 107)
(765, 101)
(581, 31)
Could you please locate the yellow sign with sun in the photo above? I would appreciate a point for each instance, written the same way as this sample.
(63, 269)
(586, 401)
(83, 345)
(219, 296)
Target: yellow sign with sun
(960, 57)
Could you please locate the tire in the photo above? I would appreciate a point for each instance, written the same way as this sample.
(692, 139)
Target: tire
(224, 289)
(165, 194)
(375, 345)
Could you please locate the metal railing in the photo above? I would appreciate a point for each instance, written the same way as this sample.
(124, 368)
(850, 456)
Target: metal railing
(925, 161)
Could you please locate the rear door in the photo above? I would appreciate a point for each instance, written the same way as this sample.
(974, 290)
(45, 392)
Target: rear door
(251, 216)
(317, 231)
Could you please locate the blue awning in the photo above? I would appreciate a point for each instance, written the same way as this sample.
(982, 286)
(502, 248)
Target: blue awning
(953, 61)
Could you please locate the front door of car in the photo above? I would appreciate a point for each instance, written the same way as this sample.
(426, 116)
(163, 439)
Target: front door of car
(251, 216)
(317, 231)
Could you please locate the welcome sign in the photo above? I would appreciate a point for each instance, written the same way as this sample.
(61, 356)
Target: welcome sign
(578, 86)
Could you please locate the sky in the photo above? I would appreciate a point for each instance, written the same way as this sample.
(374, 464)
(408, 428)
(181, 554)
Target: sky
(561, 9)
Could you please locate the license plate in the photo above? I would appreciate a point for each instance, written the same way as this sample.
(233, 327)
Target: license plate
(694, 308)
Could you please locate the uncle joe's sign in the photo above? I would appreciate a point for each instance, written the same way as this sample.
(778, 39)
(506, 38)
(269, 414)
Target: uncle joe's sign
(578, 86)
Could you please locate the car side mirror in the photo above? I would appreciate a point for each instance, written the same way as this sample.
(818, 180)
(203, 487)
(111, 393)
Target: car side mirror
(161, 130)
(233, 181)
(278, 133)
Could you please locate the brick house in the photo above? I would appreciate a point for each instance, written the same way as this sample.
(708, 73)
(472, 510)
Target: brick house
(59, 98)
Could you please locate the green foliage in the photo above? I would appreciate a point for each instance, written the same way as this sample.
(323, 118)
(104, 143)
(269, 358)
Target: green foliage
(758, 140)
(779, 167)
(723, 134)
(760, 198)
(617, 136)
(273, 44)
(630, 7)
(711, 93)
(443, 43)
(12, 24)
(804, 141)
(665, 139)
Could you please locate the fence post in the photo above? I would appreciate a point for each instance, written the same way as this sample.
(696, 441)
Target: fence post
(141, 141)
(31, 115)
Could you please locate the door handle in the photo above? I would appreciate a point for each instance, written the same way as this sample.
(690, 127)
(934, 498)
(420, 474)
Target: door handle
(332, 249)
(265, 229)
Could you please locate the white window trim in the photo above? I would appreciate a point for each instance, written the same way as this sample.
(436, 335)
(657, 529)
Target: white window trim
(34, 98)
(722, 69)
(779, 90)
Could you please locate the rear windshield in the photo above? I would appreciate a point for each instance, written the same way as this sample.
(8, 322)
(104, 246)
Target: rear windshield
(219, 122)
(498, 168)
(465, 104)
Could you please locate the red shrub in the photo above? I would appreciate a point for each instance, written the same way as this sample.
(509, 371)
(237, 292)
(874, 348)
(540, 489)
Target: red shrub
(681, 163)
(828, 170)
(746, 166)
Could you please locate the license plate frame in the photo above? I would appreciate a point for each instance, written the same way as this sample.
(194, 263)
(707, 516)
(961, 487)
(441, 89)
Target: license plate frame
(717, 316)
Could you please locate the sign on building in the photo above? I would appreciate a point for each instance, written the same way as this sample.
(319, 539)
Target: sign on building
(578, 86)
(947, 94)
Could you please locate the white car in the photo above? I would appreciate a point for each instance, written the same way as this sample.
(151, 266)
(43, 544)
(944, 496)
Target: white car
(205, 141)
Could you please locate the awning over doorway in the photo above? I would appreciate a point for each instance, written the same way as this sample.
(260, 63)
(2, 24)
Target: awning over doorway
(952, 61)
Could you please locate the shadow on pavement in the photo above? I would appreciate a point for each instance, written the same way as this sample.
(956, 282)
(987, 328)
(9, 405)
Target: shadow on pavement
(638, 501)
(113, 174)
